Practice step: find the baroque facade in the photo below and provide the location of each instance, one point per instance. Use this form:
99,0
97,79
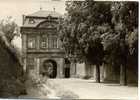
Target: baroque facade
42,49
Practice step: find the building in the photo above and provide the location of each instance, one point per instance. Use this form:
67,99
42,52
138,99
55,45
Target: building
42,49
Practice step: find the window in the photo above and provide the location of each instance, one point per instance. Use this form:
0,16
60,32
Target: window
31,21
30,63
31,42
49,43
52,42
44,41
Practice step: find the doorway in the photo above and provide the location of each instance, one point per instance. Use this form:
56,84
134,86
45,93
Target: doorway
49,68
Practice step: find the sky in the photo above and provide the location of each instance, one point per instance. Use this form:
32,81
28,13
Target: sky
16,8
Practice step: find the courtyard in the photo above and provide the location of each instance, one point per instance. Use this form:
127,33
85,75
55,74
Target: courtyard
88,89
73,88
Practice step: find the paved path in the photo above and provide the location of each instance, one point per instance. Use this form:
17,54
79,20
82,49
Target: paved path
88,89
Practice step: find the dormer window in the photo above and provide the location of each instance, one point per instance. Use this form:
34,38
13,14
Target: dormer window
31,21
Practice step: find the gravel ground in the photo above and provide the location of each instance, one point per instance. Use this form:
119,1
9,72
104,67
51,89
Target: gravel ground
47,90
88,89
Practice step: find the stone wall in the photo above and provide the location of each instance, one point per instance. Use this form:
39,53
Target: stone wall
80,70
107,73
112,74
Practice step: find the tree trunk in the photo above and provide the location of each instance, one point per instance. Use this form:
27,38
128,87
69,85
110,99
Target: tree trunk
97,73
87,69
123,79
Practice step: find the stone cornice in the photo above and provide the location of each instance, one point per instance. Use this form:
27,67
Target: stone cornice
28,30
41,17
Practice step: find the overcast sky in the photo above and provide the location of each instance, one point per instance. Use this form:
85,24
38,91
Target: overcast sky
16,8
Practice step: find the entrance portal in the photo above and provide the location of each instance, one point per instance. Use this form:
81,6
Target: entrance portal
49,68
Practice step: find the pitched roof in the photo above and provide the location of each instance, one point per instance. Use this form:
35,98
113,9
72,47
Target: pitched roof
45,13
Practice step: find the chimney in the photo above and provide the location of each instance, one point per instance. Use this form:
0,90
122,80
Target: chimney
54,9
40,7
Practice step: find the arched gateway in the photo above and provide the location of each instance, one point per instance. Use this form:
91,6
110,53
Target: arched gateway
49,68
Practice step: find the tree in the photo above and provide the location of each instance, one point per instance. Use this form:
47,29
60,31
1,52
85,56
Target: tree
9,28
96,30
118,43
81,31
12,79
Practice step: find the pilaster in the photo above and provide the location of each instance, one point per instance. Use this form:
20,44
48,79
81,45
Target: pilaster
38,42
60,67
24,44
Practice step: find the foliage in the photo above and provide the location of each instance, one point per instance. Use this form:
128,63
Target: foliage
9,28
118,43
97,32
81,31
12,79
